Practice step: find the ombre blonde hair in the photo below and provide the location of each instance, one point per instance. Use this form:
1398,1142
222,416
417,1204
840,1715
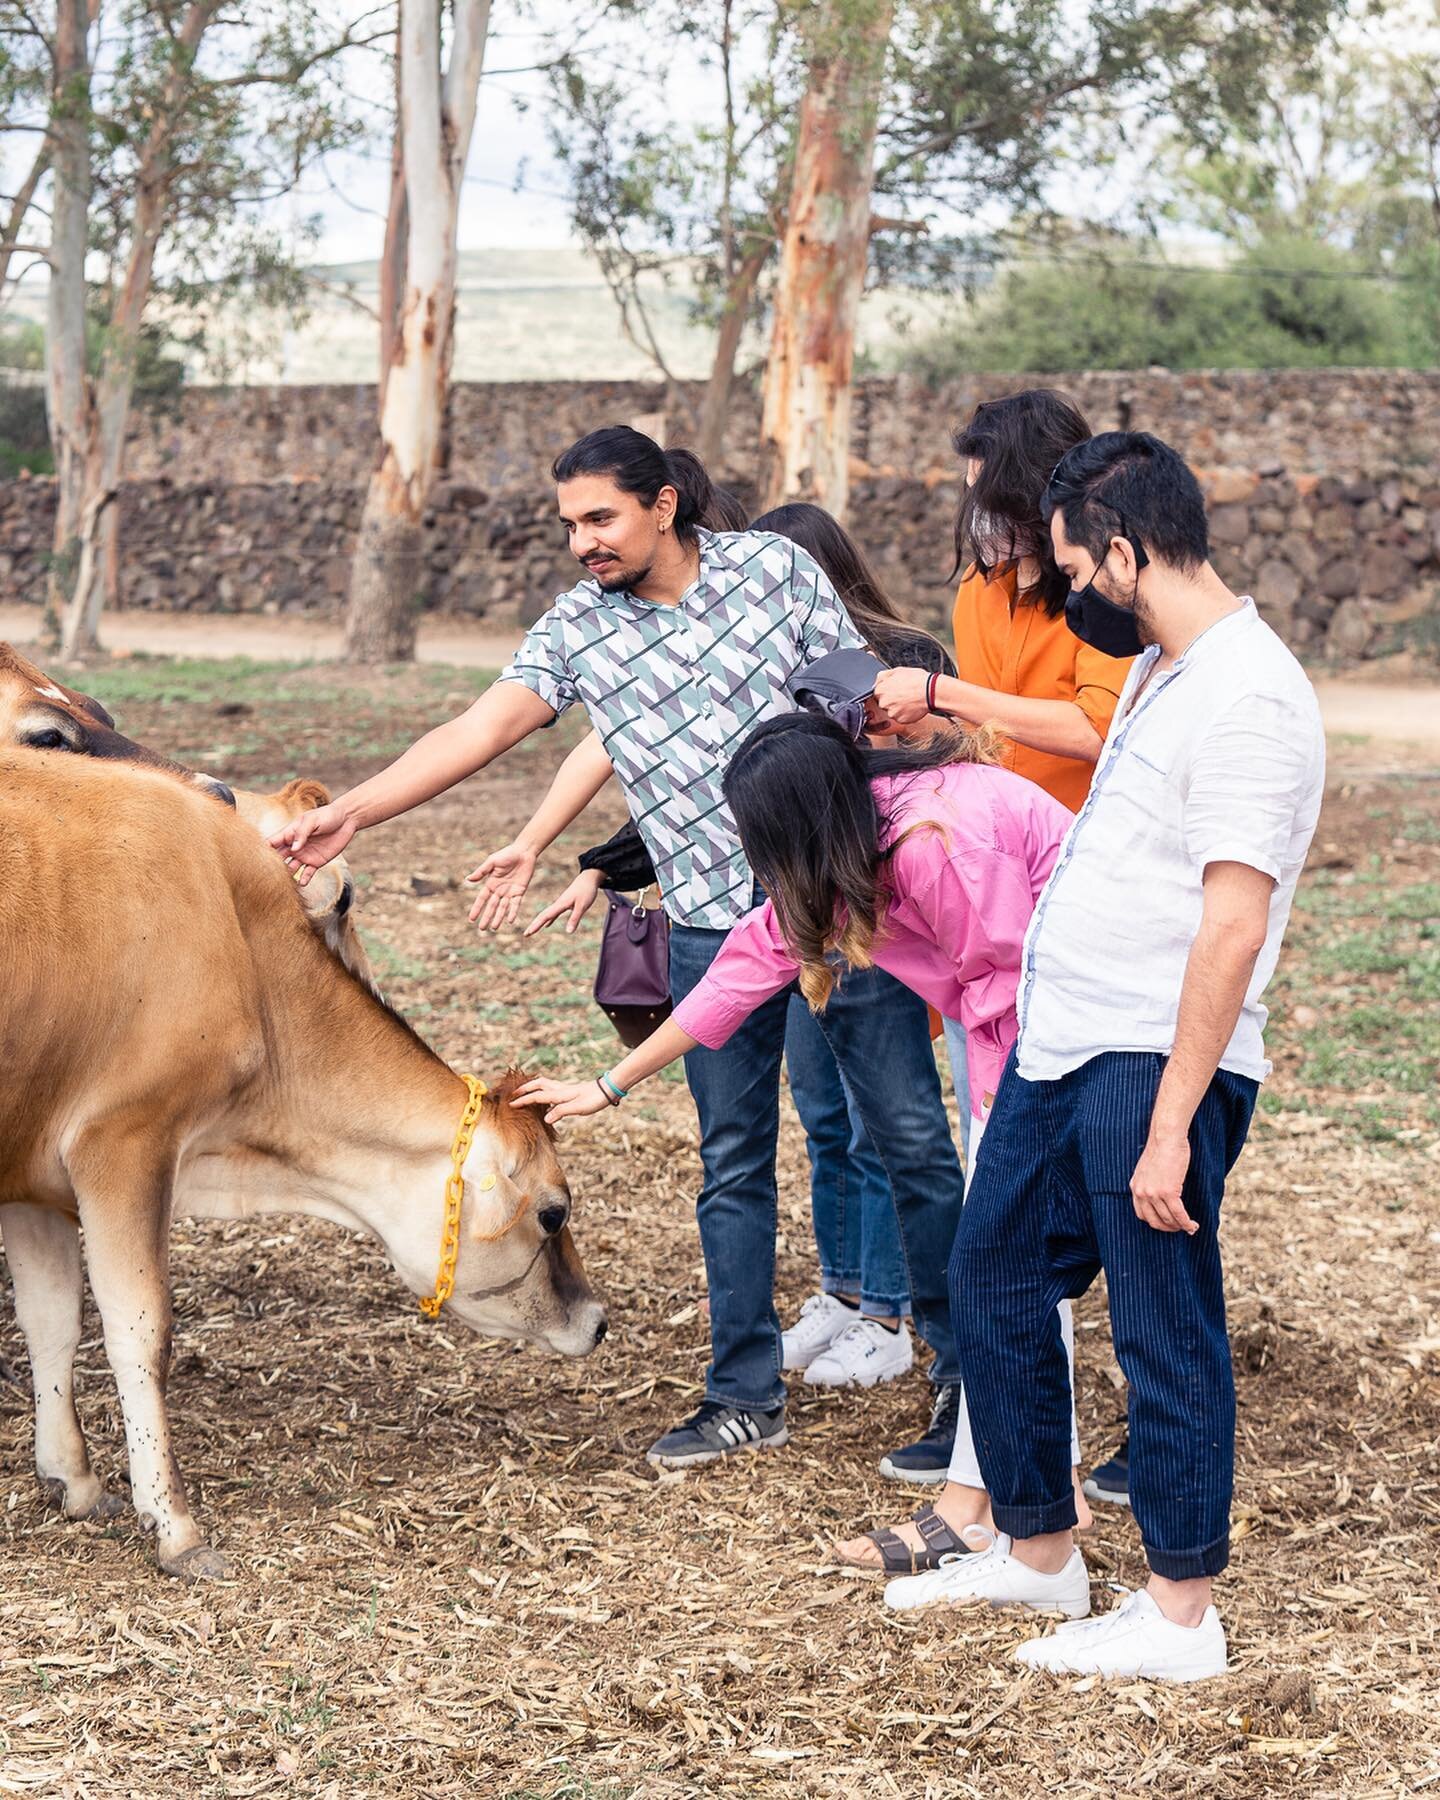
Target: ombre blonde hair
801,793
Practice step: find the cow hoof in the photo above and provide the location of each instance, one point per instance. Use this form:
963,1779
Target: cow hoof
107,1507
80,1499
198,1563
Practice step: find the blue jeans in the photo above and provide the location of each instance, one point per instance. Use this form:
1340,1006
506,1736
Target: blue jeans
1049,1207
855,1229
879,1033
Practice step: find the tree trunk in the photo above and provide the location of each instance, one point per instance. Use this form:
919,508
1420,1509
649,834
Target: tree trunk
715,404
109,401
67,386
109,417
805,424
435,123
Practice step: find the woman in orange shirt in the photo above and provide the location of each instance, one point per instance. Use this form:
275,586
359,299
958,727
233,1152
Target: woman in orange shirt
1021,669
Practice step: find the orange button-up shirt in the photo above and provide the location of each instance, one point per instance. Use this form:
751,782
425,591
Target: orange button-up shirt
1014,647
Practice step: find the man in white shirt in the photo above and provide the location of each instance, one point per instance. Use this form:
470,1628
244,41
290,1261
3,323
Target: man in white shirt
1131,1088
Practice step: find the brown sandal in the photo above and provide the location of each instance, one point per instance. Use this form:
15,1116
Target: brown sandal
896,1556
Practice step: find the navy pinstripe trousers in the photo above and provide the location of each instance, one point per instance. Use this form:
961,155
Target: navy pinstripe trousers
1048,1208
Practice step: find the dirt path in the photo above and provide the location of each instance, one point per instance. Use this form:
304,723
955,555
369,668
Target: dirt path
454,641
1392,712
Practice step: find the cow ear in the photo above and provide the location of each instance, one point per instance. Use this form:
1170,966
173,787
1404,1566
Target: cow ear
96,710
303,794
492,1202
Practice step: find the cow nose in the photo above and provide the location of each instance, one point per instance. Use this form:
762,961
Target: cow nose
601,1329
552,1218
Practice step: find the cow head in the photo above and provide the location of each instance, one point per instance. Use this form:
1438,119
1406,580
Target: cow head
330,894
37,713
518,1274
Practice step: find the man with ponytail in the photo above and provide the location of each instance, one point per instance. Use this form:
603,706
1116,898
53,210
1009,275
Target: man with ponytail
678,642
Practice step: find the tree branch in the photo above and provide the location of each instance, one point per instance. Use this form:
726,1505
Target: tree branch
348,295
460,88
19,206
295,72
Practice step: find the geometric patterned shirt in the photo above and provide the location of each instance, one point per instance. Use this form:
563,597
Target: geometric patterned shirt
674,691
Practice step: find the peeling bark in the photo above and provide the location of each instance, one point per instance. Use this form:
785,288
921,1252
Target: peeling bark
805,423
67,389
435,124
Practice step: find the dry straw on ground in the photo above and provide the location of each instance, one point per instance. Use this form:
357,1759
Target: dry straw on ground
456,1576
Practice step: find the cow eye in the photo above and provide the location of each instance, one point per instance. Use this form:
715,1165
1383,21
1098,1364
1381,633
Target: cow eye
48,740
551,1219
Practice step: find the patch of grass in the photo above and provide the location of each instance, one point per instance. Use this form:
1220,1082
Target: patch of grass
140,679
1367,965
390,965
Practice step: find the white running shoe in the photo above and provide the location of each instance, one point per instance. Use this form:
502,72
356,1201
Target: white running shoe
864,1353
822,1319
1134,1639
992,1574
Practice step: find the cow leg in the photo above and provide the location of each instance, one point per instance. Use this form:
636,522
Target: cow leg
43,1250
127,1251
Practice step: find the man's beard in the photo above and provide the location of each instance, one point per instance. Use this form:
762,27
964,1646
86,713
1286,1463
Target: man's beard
1133,602
618,581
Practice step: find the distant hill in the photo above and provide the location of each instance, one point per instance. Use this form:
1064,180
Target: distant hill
523,315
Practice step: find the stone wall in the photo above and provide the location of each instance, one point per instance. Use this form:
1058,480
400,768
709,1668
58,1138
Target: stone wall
1344,422
1344,568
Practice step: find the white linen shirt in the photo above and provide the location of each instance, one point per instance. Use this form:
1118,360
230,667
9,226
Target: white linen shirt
1220,759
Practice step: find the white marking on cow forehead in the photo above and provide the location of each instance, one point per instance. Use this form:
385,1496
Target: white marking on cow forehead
50,693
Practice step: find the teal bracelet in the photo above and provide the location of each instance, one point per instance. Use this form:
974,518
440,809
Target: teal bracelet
612,1090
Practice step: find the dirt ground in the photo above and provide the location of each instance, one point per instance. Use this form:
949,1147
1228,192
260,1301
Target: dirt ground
455,1574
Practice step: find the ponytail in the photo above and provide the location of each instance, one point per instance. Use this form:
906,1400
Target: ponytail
694,491
637,465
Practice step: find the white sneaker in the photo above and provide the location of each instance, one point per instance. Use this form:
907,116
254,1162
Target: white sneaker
992,1574
863,1355
1134,1639
822,1319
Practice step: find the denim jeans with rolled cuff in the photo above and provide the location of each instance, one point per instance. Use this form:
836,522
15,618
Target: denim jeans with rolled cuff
1049,1208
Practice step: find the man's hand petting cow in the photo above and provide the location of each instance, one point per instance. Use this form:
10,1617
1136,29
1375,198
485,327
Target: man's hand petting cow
207,1044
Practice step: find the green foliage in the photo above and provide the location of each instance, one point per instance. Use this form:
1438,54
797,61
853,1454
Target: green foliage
1287,302
24,435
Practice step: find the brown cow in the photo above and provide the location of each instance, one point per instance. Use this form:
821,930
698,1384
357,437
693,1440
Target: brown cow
177,1042
39,713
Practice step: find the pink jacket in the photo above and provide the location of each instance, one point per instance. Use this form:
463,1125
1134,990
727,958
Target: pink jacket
961,892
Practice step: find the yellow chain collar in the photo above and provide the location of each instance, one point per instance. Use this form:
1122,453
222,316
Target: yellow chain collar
454,1195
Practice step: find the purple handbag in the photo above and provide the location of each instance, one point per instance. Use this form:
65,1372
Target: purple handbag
632,982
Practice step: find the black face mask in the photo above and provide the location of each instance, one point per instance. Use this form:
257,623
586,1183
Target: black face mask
1099,622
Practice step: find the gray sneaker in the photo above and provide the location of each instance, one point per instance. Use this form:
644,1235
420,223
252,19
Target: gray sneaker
714,1430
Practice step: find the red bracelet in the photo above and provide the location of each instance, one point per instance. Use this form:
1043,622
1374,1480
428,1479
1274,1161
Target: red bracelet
930,693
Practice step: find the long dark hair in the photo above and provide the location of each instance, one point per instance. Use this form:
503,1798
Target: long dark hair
872,612
726,511
1017,440
637,465
799,789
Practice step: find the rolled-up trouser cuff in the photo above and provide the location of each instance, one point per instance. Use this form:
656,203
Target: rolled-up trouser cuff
1189,1565
1034,1521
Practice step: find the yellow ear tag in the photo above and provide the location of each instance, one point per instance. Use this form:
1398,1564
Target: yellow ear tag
487,1180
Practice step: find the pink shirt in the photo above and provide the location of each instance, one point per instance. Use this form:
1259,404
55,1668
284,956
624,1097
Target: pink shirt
962,889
